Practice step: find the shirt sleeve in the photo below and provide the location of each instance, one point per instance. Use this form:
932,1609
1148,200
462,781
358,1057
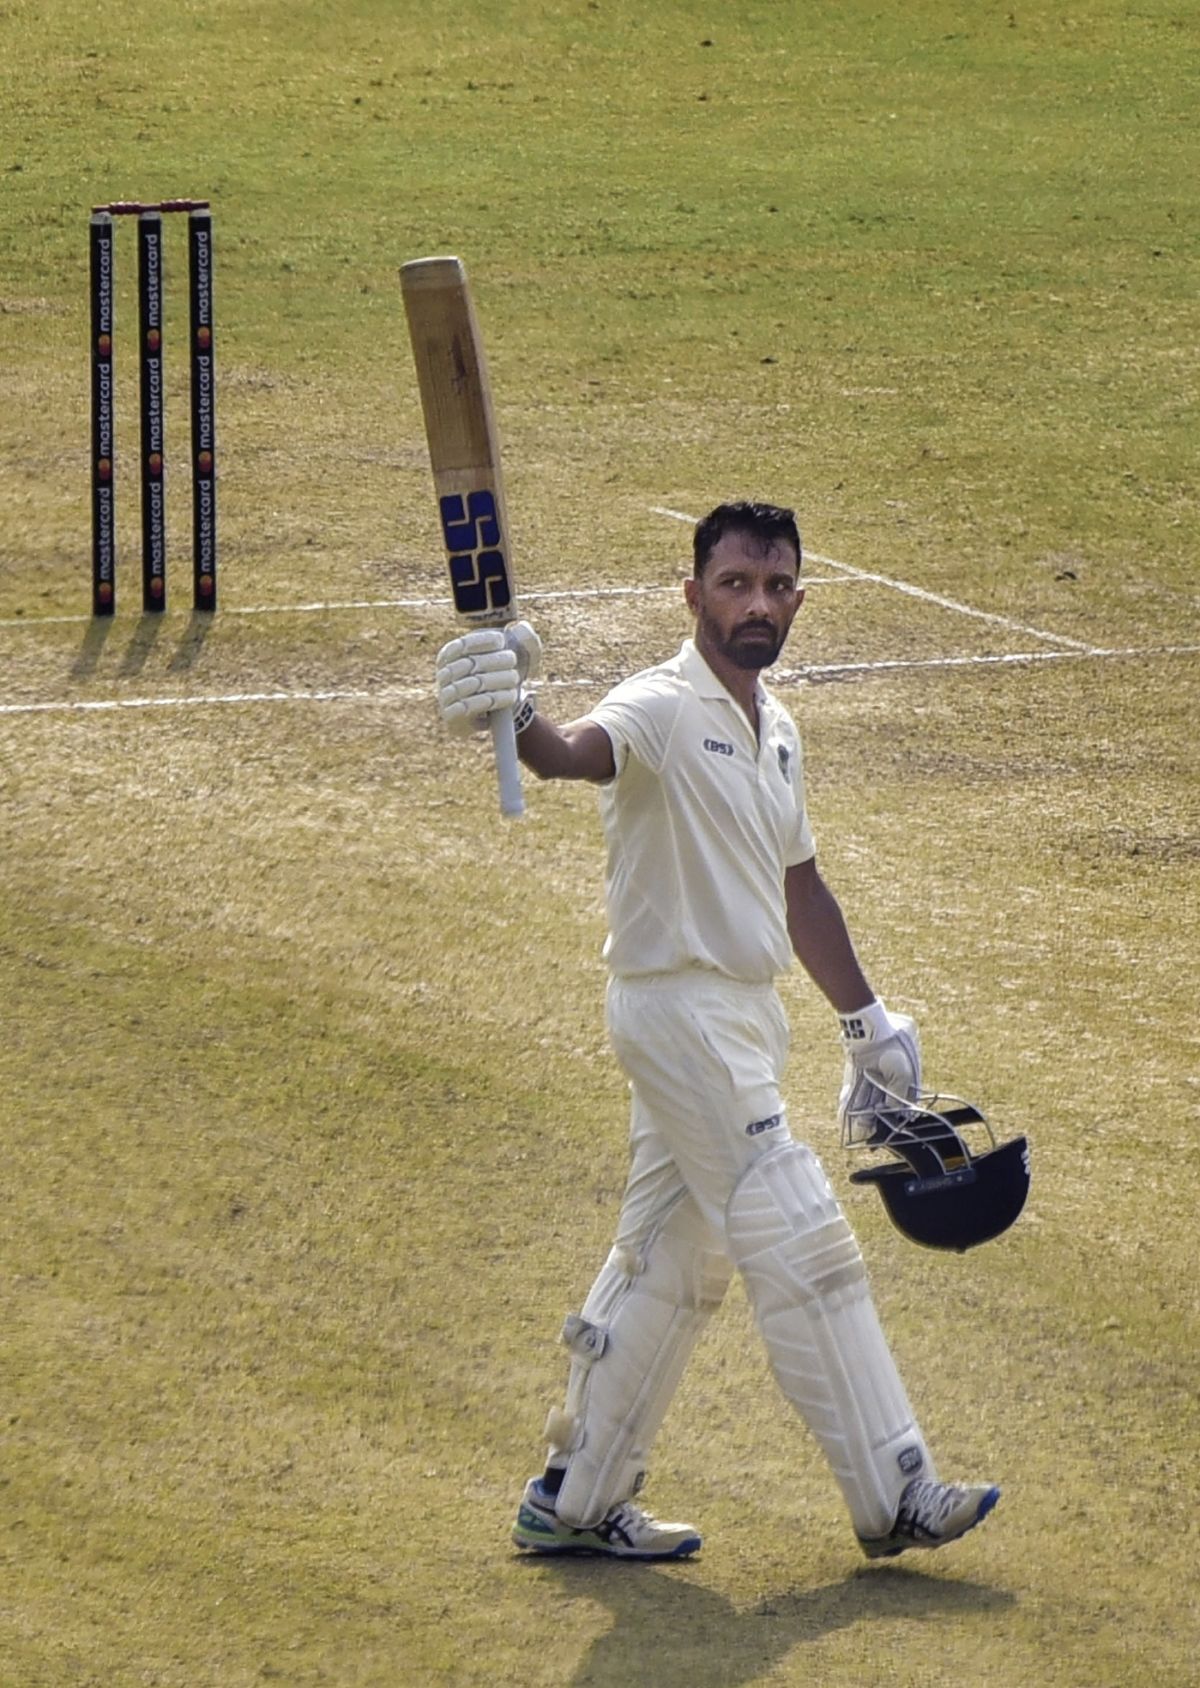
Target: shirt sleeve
638,716
802,846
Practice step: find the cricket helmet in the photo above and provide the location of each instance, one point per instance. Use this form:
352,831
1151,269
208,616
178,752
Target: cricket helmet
938,1190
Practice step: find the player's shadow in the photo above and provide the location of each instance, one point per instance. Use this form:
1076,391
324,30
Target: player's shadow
677,1634
192,643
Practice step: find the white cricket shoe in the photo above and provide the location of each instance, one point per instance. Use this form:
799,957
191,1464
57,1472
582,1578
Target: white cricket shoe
625,1531
931,1514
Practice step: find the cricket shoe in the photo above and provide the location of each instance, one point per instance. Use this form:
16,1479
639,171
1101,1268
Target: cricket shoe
625,1531
930,1515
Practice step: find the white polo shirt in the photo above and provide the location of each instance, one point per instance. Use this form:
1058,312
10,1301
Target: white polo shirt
701,822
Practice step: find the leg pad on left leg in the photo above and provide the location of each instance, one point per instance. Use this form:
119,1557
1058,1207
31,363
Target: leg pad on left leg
806,1280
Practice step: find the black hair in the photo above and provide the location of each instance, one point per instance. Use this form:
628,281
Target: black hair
768,523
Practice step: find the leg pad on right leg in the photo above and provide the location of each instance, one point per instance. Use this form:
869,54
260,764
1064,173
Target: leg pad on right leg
628,1351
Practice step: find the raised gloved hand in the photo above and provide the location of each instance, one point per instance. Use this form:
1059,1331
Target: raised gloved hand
883,1061
483,671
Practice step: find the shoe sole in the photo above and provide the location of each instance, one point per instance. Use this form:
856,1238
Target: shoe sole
547,1549
532,1536
877,1549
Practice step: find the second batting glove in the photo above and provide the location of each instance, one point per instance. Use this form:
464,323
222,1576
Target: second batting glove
883,1061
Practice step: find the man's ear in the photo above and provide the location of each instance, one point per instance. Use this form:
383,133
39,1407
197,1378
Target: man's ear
689,592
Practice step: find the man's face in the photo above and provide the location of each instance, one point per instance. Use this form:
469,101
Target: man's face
745,600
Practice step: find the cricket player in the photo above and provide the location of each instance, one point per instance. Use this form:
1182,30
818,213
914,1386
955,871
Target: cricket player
712,888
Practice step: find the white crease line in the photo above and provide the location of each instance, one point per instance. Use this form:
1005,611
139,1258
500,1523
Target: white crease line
915,592
348,604
447,603
45,620
103,705
813,675
675,515
833,670
547,596
953,604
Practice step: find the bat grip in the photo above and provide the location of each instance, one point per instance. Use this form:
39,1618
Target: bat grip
508,768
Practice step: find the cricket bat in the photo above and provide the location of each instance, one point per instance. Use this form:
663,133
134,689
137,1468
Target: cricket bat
464,454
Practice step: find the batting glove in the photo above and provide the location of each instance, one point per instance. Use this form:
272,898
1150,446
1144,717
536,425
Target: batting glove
483,671
883,1061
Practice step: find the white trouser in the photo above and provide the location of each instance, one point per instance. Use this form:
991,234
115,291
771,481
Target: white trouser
716,1178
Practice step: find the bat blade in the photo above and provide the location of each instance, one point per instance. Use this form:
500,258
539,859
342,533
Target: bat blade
464,455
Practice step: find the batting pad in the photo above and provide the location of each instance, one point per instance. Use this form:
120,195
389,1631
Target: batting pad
807,1283
629,1348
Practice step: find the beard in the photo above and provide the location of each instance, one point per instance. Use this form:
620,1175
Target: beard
750,648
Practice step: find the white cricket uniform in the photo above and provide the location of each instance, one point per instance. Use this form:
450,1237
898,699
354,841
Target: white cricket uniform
701,820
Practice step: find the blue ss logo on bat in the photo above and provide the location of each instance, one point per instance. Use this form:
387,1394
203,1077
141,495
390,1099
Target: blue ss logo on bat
479,575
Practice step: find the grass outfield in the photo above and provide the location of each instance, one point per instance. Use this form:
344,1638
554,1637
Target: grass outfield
311,1132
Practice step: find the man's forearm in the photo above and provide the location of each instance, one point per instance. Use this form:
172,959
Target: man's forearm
822,942
579,751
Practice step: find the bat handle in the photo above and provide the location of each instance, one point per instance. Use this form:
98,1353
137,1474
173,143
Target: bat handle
508,768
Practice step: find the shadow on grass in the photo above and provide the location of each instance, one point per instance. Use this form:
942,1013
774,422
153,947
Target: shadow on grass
145,637
192,643
95,637
681,1635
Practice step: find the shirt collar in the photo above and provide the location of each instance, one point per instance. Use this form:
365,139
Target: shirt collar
705,683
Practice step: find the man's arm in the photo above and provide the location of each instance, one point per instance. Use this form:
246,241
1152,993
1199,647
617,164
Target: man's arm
581,750
821,939
883,1051
483,671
